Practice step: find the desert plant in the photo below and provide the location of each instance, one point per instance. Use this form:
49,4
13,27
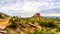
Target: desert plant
14,21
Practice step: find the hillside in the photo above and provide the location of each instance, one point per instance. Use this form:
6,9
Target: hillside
36,24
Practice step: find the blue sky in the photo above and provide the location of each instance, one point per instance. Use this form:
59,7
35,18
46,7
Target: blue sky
27,8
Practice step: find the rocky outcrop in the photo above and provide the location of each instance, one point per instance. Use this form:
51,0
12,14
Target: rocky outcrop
36,15
3,32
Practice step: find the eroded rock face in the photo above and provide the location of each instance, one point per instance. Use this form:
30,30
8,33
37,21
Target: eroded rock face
4,23
2,31
37,15
2,27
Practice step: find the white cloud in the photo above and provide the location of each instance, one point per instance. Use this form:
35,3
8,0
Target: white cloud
51,14
27,7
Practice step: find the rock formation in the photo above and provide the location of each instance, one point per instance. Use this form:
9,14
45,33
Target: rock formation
36,15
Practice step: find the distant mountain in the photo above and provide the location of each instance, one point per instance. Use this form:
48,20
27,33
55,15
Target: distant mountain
38,15
52,16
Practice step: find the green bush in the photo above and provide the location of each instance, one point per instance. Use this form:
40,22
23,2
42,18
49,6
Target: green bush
17,32
14,22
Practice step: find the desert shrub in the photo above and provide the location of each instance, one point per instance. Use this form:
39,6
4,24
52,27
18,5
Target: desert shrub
2,15
14,22
43,31
16,32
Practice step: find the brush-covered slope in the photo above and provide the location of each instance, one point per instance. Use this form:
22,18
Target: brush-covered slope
36,24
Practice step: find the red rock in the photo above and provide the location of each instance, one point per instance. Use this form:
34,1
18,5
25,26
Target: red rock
37,15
